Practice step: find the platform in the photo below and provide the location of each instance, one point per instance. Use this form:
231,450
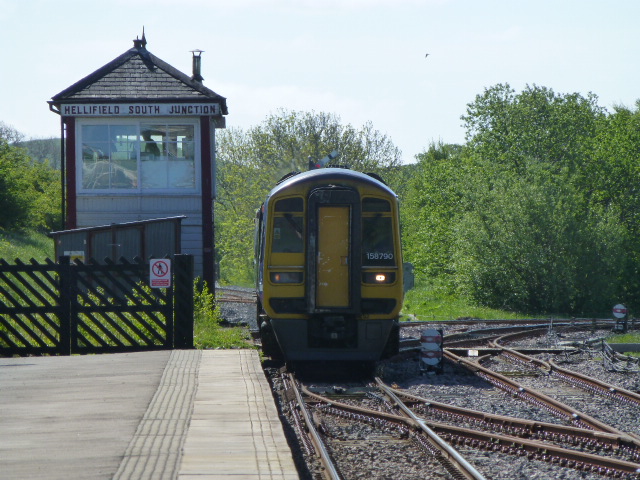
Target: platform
184,414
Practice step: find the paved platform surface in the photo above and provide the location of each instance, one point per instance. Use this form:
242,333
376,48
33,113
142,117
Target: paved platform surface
184,414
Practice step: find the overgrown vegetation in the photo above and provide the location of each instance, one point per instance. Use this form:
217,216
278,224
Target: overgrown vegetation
208,329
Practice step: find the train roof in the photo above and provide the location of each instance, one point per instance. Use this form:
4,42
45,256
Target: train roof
328,175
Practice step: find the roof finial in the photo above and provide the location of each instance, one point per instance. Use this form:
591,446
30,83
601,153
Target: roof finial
140,43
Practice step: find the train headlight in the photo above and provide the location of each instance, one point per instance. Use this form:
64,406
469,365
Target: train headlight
286,277
378,278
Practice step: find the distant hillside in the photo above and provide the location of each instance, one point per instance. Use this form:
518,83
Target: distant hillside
43,150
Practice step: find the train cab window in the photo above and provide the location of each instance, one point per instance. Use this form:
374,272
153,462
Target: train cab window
377,233
371,204
293,204
288,226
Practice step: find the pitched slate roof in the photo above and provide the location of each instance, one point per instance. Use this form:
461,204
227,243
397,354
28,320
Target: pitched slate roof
138,75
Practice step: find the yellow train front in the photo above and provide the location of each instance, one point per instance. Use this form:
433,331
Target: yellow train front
329,267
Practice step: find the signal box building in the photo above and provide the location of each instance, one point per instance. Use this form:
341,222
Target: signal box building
139,143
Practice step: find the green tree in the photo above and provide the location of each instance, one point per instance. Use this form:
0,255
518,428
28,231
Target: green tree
611,180
520,217
42,150
10,134
15,201
29,192
534,239
532,244
537,123
431,202
251,162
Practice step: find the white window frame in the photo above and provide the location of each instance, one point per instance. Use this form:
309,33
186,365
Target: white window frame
137,121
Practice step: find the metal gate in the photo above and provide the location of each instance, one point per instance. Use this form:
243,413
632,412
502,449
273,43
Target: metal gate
65,308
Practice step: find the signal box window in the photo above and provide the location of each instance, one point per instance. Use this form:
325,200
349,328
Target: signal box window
109,158
136,156
288,236
166,156
377,234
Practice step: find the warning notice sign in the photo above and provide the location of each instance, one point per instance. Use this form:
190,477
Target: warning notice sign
160,273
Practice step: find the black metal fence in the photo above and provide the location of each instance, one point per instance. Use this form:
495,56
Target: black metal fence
64,308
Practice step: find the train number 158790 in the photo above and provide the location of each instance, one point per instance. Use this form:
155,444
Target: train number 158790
379,255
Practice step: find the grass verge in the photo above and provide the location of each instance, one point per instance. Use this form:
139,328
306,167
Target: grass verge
430,302
25,246
633,337
625,338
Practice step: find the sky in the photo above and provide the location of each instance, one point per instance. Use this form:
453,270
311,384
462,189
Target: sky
361,60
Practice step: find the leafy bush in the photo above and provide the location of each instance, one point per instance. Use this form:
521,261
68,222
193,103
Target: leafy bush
208,329
29,192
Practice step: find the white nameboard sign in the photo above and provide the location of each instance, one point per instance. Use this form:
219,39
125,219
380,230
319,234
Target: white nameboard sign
139,109
160,273
74,255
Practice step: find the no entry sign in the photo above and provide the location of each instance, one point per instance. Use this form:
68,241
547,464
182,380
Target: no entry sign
160,273
619,311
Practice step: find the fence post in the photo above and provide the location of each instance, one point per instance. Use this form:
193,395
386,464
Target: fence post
183,301
65,304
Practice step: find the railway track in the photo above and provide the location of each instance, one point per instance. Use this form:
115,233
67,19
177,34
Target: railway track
235,295
622,445
576,379
407,427
533,396
560,344
498,445
557,445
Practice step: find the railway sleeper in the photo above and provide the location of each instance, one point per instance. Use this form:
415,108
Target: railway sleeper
543,455
585,385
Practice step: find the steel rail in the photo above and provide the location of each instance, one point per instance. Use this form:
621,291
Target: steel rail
409,420
364,412
227,294
496,442
538,450
575,378
523,428
595,385
495,334
330,470
537,398
519,321
452,455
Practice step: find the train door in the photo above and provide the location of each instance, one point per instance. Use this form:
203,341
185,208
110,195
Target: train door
334,257
332,274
